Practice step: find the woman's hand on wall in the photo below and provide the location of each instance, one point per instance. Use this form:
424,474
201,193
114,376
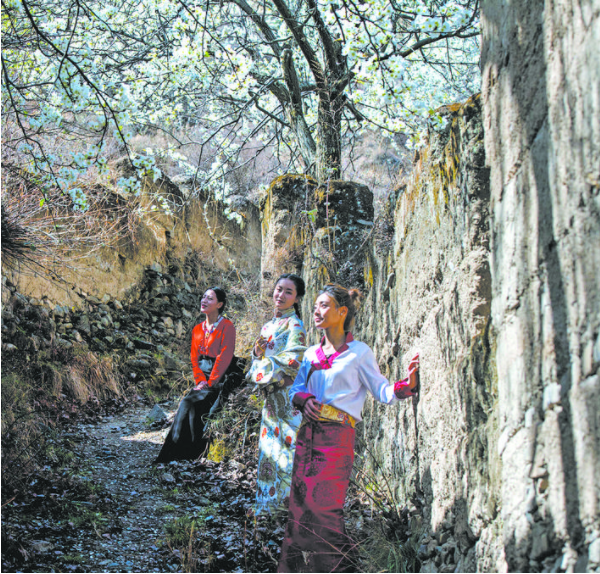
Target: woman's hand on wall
413,374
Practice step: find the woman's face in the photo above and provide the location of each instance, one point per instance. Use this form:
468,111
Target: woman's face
209,303
327,313
285,294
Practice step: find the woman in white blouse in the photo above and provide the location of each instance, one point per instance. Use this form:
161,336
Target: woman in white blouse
330,390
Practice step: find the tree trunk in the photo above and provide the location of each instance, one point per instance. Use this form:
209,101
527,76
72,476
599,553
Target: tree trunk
329,138
295,114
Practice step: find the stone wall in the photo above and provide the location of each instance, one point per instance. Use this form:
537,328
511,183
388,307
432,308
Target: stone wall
541,86
316,230
487,263
148,334
429,291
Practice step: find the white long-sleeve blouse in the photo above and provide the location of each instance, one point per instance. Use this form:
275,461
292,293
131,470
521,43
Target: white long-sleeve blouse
344,385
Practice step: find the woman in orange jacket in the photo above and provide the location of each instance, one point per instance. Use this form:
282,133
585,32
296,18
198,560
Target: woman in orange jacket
215,372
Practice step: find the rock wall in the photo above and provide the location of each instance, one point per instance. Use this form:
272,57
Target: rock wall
313,229
283,209
541,86
429,291
487,263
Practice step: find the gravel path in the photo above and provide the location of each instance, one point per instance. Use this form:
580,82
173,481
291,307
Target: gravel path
119,452
134,502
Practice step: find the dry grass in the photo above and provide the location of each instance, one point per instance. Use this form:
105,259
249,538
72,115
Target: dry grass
252,315
88,375
51,386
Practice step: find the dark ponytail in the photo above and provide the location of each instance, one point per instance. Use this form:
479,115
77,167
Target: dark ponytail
298,283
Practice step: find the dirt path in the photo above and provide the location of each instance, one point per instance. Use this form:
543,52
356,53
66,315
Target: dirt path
121,525
119,452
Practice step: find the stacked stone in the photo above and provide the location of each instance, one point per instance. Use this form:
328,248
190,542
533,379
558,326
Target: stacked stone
149,331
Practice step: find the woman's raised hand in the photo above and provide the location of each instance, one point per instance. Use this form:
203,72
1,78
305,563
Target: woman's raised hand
260,346
409,387
413,374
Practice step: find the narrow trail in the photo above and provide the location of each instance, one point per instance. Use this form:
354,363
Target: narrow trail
135,501
119,451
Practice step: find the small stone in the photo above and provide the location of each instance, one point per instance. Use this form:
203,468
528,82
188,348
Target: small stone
42,546
139,364
168,478
543,485
84,324
64,343
156,414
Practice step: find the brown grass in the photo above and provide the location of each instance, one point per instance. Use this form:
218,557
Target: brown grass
89,375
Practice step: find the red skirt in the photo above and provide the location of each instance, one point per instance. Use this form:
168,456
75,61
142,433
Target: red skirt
315,538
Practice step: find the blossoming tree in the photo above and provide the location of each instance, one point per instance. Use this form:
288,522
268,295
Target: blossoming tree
302,76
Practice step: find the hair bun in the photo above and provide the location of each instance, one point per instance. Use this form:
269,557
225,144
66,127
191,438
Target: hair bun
356,296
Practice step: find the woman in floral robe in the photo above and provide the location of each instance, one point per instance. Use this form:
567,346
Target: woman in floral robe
277,355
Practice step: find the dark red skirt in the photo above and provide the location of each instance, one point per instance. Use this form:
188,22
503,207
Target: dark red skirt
315,538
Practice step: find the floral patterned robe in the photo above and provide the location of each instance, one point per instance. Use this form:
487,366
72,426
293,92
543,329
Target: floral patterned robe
273,373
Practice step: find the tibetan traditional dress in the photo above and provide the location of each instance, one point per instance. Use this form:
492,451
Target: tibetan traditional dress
212,363
315,538
273,374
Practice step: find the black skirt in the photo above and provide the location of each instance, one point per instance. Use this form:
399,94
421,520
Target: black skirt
186,439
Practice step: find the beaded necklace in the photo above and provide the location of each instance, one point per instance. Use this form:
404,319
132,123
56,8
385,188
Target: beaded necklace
214,326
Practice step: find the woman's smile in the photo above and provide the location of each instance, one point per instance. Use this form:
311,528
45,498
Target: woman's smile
326,313
209,302
285,294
